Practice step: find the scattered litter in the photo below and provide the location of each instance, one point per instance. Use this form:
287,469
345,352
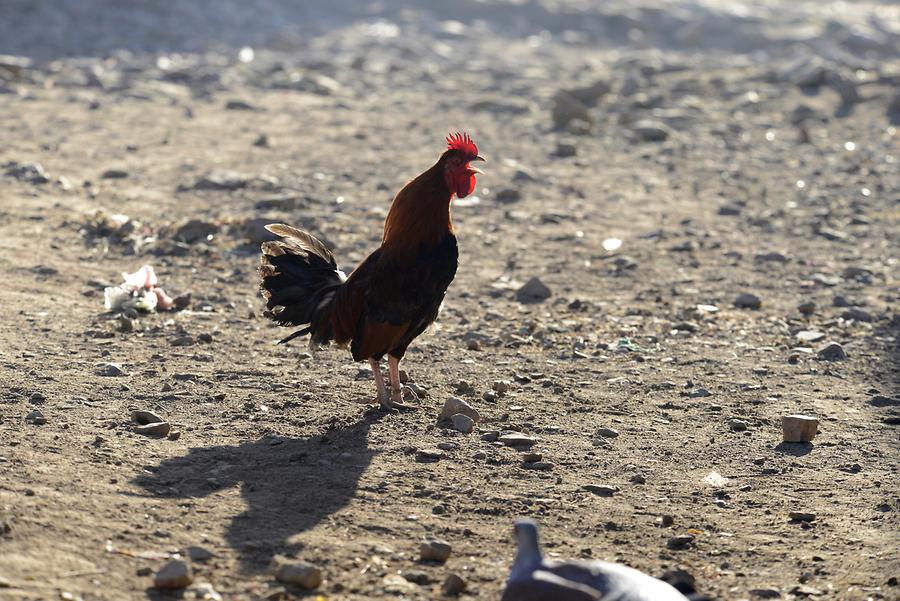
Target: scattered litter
138,292
625,345
714,478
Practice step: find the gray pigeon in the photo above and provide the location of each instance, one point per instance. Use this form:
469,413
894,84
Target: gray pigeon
533,578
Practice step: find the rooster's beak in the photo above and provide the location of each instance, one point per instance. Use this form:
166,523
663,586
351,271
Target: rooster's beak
478,158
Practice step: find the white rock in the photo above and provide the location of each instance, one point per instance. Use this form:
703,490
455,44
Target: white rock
174,575
455,405
799,428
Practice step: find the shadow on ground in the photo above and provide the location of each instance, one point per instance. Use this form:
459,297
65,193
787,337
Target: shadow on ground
289,485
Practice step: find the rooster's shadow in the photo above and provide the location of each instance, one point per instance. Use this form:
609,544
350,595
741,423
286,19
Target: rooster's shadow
289,485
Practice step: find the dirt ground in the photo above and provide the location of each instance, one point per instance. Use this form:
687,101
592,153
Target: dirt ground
730,148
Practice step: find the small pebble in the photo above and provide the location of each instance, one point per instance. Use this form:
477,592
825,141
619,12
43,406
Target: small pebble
832,351
603,490
36,417
110,370
453,585
680,541
517,439
156,429
434,549
607,433
428,455
799,428
174,575
298,572
463,423
144,417
802,516
200,554
746,300
807,308
454,405
737,425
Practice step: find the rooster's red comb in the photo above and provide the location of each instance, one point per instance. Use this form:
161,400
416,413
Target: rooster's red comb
463,143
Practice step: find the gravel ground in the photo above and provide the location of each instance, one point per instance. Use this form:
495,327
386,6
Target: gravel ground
708,191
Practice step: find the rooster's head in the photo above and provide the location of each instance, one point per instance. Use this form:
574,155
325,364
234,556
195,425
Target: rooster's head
458,174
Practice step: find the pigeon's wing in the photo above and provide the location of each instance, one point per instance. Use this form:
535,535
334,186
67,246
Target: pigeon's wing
614,581
546,586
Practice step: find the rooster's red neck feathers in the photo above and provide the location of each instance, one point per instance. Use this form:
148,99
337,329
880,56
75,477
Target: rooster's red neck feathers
420,213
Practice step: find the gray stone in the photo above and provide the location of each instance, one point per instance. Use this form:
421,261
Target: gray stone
567,108
770,257
195,230
453,585
223,180
508,196
533,291
463,423
540,466
765,593
297,572
680,541
36,417
857,314
802,516
807,308
434,549
737,425
650,131
832,351
199,554
144,417
490,436
607,433
416,576
602,490
429,455
110,370
564,150
746,300
517,440
33,172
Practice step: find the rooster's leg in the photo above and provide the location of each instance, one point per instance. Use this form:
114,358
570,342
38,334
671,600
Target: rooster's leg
396,387
383,397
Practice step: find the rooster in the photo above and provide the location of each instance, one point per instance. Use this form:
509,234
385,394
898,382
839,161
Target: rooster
395,293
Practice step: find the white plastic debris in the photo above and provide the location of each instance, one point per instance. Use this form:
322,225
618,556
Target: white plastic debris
138,291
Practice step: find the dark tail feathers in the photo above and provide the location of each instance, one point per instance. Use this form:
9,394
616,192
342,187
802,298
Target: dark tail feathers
299,281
